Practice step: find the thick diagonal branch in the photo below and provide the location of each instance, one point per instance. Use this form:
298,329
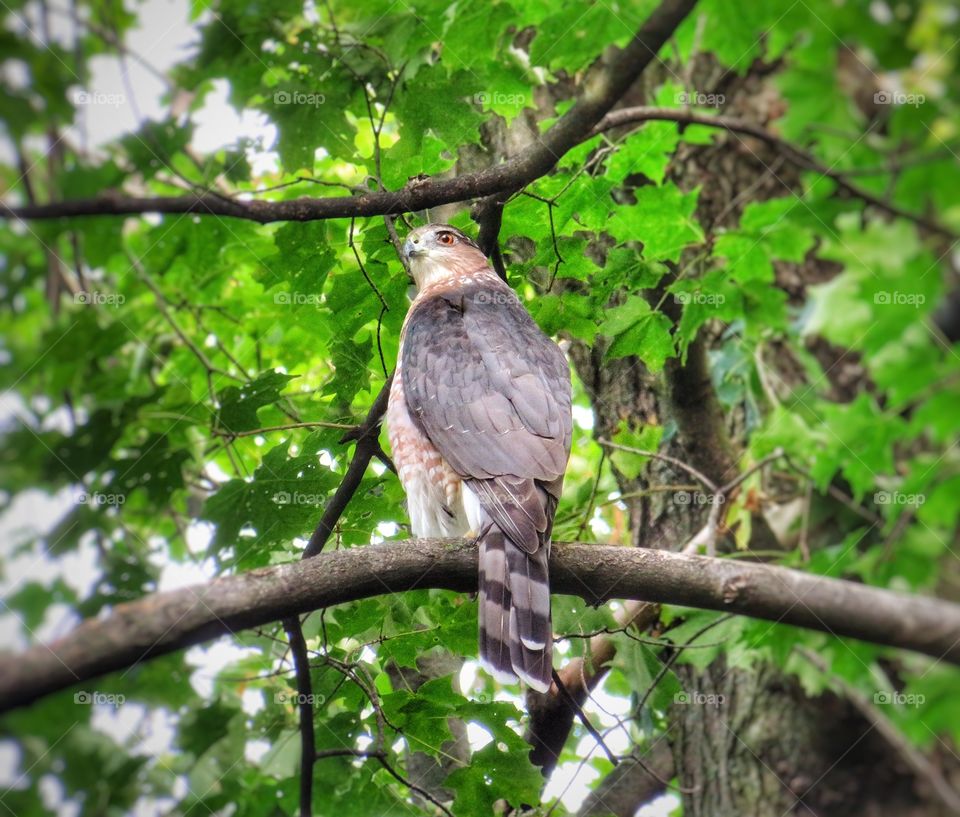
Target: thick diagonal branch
603,86
492,182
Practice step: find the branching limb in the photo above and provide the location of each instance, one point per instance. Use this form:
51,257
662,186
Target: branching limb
574,704
799,157
493,185
607,82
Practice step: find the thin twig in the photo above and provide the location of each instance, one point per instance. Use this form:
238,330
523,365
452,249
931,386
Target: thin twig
413,786
286,427
773,456
667,784
556,248
593,495
700,476
383,360
672,659
836,493
301,180
363,268
364,753
572,703
111,39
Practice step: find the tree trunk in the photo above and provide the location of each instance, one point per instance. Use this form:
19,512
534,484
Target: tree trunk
752,743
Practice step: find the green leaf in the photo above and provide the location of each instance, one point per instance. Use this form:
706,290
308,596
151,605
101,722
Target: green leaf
239,406
423,715
662,218
283,499
637,330
646,151
647,439
204,727
491,776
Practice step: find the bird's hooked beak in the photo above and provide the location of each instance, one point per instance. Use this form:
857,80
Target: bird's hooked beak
413,247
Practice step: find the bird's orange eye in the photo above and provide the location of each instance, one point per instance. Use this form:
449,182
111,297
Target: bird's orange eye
445,238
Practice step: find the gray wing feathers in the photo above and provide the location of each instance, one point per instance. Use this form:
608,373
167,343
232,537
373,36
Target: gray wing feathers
491,391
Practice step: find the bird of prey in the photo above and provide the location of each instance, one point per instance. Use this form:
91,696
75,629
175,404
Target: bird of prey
479,422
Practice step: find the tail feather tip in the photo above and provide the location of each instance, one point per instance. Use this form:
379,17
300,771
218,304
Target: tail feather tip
501,675
533,644
534,683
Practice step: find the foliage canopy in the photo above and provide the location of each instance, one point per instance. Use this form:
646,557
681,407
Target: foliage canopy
178,384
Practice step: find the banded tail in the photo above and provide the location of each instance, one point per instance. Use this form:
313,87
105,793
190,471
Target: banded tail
516,634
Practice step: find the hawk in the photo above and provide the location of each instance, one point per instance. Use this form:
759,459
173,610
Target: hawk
479,422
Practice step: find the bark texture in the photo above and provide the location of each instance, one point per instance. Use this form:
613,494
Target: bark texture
756,744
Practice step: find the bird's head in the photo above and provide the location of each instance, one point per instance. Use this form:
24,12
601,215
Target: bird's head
437,251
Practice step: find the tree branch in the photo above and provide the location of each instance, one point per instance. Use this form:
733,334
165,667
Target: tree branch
366,436
308,752
164,622
574,704
603,86
551,717
630,786
794,154
497,183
